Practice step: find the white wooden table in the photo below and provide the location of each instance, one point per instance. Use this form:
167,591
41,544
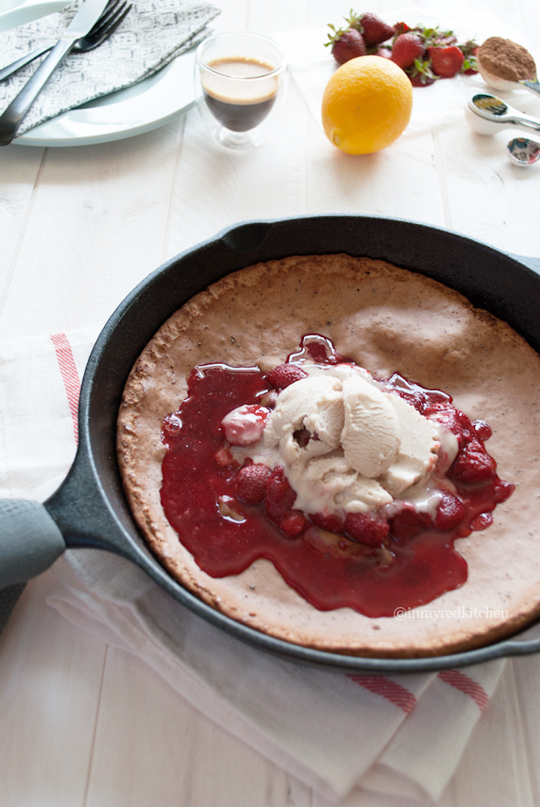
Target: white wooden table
82,723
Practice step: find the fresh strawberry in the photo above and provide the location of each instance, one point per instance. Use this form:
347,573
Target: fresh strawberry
401,28
417,81
469,50
346,44
446,62
434,38
445,39
406,49
420,75
469,67
421,80
373,29
285,374
366,528
384,52
251,482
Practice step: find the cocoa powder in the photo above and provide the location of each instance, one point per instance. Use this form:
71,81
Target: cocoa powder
506,59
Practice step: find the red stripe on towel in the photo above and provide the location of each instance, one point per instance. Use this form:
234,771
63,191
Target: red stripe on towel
70,376
388,689
466,685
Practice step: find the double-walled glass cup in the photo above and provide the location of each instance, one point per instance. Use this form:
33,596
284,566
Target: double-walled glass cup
240,78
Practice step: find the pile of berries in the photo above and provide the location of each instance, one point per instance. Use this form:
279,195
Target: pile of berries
425,54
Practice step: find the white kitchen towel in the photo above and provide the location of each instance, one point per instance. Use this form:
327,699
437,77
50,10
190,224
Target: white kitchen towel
335,732
153,34
354,738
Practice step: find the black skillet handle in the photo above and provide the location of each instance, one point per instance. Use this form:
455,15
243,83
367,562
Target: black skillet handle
30,542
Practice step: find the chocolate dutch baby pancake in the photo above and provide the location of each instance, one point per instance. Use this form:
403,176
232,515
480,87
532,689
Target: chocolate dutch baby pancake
341,454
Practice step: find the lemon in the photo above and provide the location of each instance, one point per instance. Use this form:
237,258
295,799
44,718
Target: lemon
366,105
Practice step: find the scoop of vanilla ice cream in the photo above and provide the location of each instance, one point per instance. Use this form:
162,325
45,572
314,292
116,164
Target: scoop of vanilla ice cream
419,445
370,436
346,444
328,484
314,404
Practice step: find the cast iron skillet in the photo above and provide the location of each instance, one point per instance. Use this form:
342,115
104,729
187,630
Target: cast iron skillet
90,509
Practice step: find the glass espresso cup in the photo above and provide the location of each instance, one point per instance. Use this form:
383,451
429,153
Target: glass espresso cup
239,79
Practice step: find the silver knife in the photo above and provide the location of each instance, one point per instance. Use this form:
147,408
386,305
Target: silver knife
81,23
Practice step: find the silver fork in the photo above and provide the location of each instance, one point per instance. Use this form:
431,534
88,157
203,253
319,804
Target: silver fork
107,24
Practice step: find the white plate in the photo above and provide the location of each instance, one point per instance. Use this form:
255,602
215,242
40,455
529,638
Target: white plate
145,106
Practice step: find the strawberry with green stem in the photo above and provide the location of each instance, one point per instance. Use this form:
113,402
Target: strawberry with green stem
406,49
373,29
446,62
424,53
421,74
346,44
469,50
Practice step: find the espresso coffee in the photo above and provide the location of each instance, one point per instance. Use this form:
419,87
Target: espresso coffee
239,105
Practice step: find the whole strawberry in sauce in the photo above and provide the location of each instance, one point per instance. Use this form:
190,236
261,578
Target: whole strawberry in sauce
367,528
251,482
450,512
284,375
473,463
279,499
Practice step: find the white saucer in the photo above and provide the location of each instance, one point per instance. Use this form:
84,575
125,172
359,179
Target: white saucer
145,106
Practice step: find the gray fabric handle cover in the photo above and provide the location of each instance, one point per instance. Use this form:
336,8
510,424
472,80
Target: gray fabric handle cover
30,541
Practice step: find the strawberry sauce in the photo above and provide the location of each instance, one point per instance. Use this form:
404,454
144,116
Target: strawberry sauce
408,563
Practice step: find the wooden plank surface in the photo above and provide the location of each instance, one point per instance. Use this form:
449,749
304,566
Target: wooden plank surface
87,725
51,676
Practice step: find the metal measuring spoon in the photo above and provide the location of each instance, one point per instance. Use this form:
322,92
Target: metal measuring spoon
497,83
533,85
487,114
523,151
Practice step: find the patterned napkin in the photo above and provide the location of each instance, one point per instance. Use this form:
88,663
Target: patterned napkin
154,33
361,740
